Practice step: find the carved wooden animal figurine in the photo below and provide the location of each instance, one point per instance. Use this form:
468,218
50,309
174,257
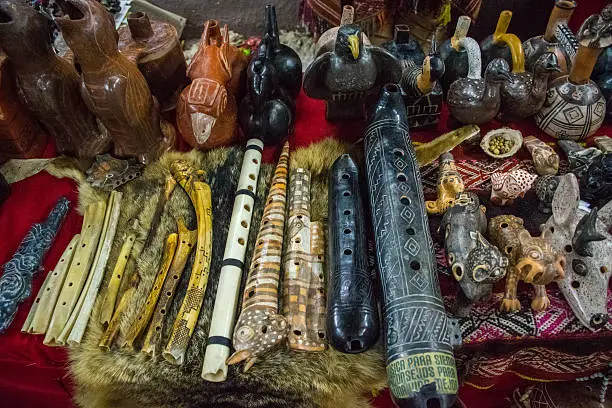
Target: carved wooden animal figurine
113,87
531,259
207,109
454,55
583,235
506,187
154,46
545,160
49,85
473,261
345,76
596,183
404,47
579,158
449,184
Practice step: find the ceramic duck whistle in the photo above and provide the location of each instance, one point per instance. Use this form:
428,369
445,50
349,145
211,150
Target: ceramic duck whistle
474,263
454,55
352,309
327,40
508,186
583,236
579,158
503,45
596,182
531,259
449,184
404,47
406,263
545,159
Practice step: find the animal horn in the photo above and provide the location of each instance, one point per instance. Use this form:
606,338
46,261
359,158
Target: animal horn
586,231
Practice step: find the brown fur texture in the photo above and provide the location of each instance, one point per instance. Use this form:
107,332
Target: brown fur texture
282,378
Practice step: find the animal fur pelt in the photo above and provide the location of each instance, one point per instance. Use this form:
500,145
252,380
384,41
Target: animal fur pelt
282,379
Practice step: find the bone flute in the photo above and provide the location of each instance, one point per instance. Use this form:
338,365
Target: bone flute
260,296
186,241
222,322
315,308
192,181
49,292
164,196
147,309
113,325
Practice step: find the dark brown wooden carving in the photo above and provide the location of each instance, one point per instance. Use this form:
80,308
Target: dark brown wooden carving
154,46
113,87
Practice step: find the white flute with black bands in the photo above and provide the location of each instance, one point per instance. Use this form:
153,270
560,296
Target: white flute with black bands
226,300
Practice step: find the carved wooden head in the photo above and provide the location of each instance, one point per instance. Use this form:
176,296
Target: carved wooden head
24,32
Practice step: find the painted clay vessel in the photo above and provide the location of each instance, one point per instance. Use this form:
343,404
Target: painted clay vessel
596,182
449,185
603,143
545,159
474,263
545,187
112,86
506,187
154,46
406,263
548,42
579,158
454,55
327,40
531,259
404,47
583,236
503,45
575,107
206,111
49,85
352,309
347,75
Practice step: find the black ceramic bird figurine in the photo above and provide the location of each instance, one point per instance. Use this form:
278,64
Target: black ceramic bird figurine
347,75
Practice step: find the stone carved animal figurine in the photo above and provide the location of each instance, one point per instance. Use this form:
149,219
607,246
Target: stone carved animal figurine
583,236
475,264
579,158
449,185
545,187
506,187
545,159
596,183
531,259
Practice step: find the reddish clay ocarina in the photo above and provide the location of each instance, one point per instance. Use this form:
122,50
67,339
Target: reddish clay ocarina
505,187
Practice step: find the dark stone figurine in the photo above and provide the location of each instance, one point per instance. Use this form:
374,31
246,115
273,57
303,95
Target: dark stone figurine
596,183
352,309
417,330
579,158
474,263
545,187
349,74
404,47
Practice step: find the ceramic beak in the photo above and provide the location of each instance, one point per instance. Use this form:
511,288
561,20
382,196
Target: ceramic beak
353,44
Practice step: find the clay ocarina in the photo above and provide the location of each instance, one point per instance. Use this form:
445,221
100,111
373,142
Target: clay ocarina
545,187
603,143
531,259
499,44
579,157
449,185
596,182
455,55
545,160
583,236
404,47
506,187
473,261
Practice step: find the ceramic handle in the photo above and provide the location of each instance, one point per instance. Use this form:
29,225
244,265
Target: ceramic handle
562,11
502,24
516,51
474,59
461,30
348,15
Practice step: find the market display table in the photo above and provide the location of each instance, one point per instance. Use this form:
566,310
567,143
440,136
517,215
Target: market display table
500,351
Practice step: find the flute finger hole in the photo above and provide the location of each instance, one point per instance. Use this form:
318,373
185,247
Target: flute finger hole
241,241
247,207
252,176
244,224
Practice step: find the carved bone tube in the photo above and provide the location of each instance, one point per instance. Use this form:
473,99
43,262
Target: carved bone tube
113,326
78,272
191,181
417,329
315,308
187,240
147,309
28,321
260,296
222,321
352,311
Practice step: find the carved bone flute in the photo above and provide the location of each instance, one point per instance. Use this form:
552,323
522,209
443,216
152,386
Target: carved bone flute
260,296
16,282
191,180
222,322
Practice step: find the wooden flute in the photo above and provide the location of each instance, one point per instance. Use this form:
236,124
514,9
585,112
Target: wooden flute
222,322
259,326
192,181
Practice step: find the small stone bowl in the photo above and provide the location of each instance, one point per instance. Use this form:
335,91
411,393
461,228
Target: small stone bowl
507,134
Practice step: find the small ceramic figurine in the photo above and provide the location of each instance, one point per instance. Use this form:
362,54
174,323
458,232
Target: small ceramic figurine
48,84
596,183
347,75
506,187
154,46
500,43
449,185
536,46
207,109
327,40
545,187
531,259
579,158
545,160
473,261
603,143
583,236
454,55
112,86
404,47
575,107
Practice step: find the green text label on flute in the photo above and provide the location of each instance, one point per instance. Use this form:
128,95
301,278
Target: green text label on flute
408,374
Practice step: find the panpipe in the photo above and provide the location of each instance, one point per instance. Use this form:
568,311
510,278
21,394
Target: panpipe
298,308
16,281
259,326
222,321
420,364
352,309
192,181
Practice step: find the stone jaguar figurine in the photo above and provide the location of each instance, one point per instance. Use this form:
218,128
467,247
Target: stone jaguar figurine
473,261
531,259
583,236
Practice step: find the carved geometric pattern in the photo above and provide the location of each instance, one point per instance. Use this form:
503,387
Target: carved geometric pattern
412,246
407,214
